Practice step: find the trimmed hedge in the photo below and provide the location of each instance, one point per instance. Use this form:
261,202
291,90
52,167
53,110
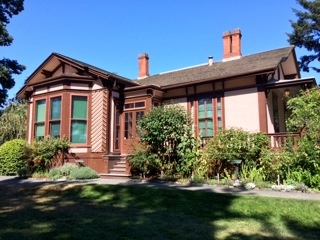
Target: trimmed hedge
14,156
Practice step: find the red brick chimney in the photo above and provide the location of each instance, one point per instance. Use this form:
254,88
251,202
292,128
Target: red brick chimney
143,61
231,45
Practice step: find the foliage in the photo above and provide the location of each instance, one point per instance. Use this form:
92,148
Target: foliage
167,134
306,32
44,152
143,162
72,171
252,173
234,144
14,156
305,112
13,121
8,67
305,117
83,173
189,151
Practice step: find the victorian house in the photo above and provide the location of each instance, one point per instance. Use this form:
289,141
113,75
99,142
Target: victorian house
98,110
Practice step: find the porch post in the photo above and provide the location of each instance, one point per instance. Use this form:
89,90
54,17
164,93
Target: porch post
262,103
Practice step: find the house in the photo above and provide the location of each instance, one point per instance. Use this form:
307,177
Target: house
98,110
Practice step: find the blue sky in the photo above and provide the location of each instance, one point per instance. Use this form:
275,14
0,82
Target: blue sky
110,34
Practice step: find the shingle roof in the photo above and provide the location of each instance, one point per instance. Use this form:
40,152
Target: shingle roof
246,64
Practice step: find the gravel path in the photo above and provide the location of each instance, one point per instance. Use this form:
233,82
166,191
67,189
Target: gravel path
164,184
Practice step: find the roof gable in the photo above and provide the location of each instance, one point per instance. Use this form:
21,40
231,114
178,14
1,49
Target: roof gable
58,65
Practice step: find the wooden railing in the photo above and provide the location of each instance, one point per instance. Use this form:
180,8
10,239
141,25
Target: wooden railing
277,140
284,139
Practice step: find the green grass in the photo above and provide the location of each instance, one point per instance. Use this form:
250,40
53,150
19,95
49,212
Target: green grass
118,212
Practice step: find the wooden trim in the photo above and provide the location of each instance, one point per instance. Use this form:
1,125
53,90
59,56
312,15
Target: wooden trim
263,122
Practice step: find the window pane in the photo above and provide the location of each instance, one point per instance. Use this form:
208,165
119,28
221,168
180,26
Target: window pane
129,105
139,115
39,131
201,113
55,129
79,107
202,124
40,110
139,104
78,131
209,104
55,108
128,125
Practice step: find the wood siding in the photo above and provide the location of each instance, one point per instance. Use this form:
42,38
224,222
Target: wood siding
99,121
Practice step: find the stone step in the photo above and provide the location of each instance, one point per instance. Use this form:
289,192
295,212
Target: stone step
114,176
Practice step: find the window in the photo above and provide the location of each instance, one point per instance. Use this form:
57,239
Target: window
219,114
275,113
128,125
210,116
205,117
40,119
134,105
131,118
79,119
55,116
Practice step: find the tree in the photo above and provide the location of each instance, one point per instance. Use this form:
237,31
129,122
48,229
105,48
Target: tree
13,121
305,117
305,113
8,67
306,33
167,135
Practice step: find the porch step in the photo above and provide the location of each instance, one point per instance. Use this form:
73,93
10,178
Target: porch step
114,176
117,167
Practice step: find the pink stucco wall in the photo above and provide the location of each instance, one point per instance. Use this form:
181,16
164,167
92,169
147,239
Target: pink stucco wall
242,109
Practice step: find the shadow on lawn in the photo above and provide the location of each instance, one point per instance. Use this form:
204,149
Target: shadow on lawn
60,211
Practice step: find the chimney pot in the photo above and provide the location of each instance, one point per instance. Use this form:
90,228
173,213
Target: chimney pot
210,60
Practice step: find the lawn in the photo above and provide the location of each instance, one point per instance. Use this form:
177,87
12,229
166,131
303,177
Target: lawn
119,212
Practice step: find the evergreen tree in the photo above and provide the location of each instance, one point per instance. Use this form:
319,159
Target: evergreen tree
306,33
8,67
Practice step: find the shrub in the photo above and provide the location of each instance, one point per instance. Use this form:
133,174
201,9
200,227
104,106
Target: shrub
71,171
67,168
14,156
144,163
233,144
44,152
54,174
170,147
83,173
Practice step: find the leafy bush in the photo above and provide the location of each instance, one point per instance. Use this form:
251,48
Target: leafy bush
233,144
83,173
170,147
144,163
72,171
45,151
14,156
54,174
